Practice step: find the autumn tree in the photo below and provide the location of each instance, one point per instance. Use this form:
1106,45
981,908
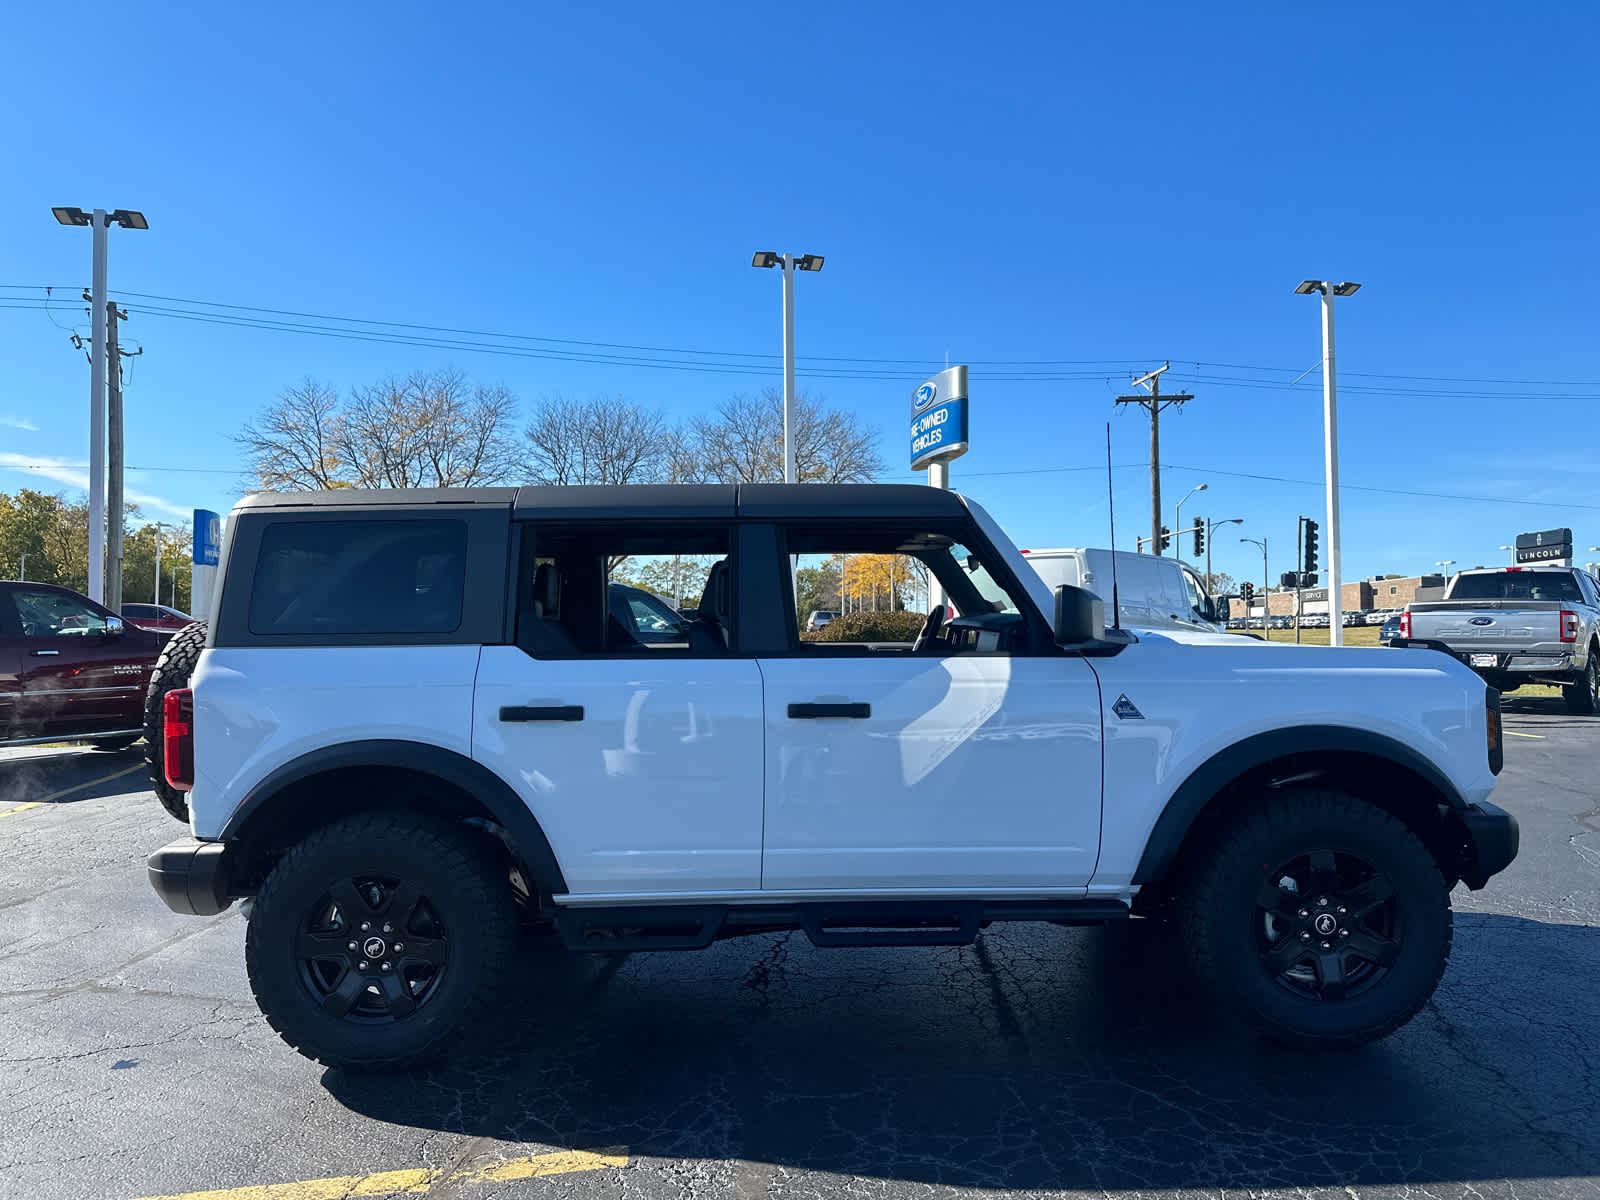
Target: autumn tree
742,442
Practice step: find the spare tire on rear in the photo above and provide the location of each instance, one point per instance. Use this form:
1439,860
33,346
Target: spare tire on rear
174,665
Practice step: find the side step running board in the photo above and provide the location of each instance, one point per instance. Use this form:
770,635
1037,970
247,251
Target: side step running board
826,923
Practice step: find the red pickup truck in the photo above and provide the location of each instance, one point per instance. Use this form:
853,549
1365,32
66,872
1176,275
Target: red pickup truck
70,669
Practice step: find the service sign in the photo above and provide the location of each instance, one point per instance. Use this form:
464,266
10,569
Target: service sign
939,419
207,537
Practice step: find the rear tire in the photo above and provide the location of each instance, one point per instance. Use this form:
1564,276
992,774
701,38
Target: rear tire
1583,697
1372,942
174,665
428,900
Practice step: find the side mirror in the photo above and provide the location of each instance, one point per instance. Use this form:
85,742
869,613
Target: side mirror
1209,609
114,627
1080,616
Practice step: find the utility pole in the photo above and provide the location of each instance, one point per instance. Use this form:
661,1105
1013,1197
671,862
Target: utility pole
114,457
1154,403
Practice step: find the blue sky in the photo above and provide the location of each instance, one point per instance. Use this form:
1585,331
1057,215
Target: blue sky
1100,187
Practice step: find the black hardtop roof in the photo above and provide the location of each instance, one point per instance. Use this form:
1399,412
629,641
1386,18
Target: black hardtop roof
644,501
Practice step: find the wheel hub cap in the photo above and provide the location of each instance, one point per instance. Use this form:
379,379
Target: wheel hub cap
374,947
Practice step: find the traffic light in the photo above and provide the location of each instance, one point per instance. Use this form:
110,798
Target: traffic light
1199,536
1247,591
1309,566
1166,540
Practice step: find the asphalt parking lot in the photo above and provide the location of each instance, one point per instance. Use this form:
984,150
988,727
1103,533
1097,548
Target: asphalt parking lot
1040,1060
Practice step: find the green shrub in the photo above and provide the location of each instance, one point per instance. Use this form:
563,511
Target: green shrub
870,627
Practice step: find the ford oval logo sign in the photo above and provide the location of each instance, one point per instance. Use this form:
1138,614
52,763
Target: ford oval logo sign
925,396
1482,621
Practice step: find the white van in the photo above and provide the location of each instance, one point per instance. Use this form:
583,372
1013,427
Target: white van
1153,590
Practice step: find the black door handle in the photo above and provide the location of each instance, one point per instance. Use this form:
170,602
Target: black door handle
811,712
542,712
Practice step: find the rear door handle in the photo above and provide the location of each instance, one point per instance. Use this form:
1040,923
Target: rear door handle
45,653
542,712
812,712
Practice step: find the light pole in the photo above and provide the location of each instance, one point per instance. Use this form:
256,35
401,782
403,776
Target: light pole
1177,512
1446,563
24,576
1211,525
160,525
1266,604
1330,444
99,221
1513,548
789,263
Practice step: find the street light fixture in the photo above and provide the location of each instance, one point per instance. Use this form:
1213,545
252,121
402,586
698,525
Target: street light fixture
1330,439
1446,563
789,262
1177,512
1266,605
99,221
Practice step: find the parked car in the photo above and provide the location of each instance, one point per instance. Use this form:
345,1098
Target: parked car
1153,591
70,669
1379,616
1389,631
395,808
645,616
819,618
1517,625
160,618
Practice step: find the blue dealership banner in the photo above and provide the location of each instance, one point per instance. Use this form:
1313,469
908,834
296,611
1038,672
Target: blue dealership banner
207,537
939,419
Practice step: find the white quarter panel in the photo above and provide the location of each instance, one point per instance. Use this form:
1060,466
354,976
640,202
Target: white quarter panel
970,772
258,708
1201,693
656,789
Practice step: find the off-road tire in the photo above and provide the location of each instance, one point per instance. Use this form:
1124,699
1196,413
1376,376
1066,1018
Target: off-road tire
1220,921
1583,697
174,665
461,876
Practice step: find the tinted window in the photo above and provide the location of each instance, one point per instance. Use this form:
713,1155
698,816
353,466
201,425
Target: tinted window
1517,585
56,614
359,577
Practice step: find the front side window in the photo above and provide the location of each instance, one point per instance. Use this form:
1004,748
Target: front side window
1192,592
359,577
55,614
870,589
600,590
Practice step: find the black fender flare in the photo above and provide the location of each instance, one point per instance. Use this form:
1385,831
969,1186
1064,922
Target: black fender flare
1222,768
478,781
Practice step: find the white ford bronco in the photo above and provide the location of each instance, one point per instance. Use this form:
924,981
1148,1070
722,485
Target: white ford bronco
416,724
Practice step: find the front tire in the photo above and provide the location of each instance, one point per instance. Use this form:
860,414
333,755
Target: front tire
380,939
1321,920
1583,697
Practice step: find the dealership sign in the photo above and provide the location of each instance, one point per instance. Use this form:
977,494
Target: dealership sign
939,419
1547,546
207,537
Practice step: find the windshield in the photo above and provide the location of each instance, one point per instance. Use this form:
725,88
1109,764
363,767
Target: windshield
982,580
1517,585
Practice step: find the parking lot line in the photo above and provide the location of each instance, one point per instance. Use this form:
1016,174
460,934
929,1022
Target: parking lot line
21,808
418,1181
1536,736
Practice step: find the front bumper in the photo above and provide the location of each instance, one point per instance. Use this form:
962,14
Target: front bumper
1491,841
191,876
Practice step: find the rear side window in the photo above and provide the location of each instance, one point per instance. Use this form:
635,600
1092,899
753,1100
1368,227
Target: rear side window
359,577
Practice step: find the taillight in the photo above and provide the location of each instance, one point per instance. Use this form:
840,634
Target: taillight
1405,625
1569,626
177,737
1491,704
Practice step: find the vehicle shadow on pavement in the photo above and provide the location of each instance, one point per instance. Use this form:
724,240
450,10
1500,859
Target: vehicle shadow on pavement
70,775
1037,1058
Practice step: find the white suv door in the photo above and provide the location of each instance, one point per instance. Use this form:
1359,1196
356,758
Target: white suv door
641,761
976,768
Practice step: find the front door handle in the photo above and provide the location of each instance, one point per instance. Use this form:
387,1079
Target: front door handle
542,712
812,712
45,653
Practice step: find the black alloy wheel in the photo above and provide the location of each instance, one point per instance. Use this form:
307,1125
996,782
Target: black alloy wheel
1329,925
372,950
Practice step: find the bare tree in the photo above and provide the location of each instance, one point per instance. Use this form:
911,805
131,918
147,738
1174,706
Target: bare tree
606,439
291,446
743,443
428,429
